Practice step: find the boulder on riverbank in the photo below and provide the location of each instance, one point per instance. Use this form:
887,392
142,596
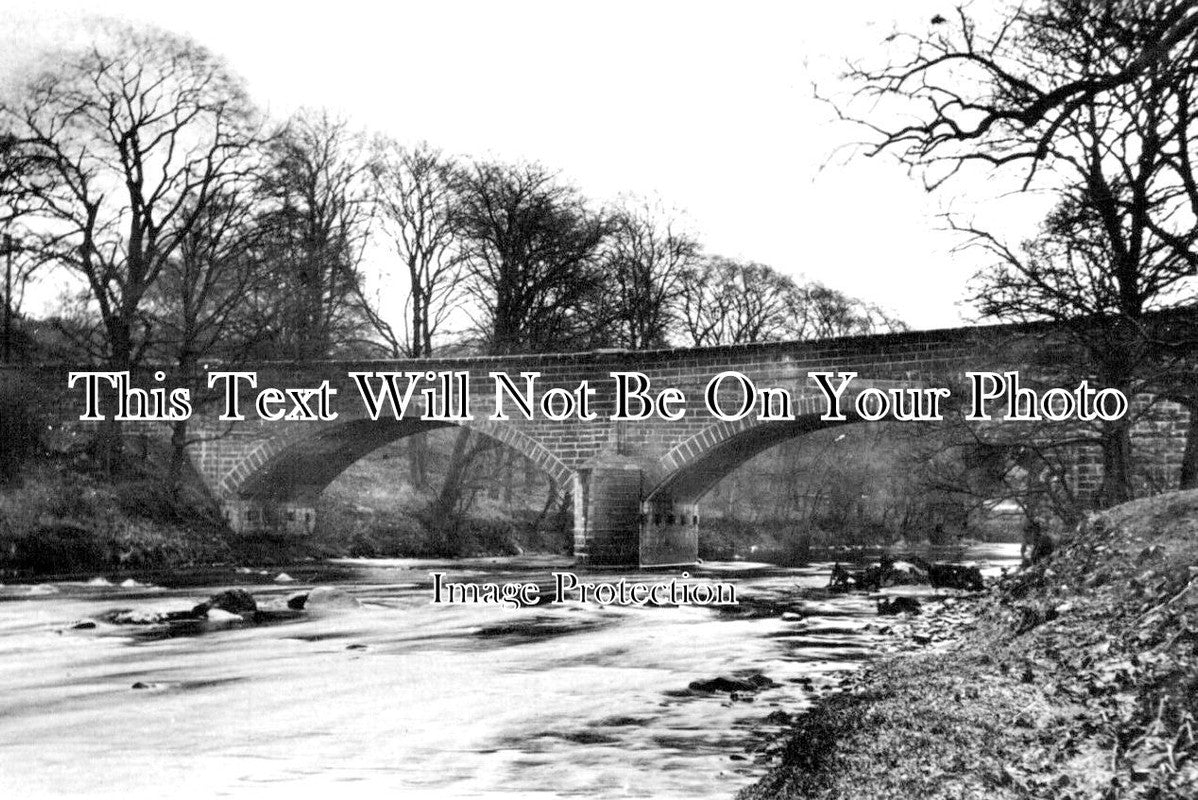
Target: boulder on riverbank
952,576
889,572
898,605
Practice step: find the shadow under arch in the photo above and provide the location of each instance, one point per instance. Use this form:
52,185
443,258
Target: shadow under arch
301,464
694,466
680,479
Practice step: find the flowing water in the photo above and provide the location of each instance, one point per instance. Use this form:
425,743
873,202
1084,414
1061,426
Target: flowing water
401,695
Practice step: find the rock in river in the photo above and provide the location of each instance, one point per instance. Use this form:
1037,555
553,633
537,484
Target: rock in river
136,616
721,684
726,684
234,601
322,597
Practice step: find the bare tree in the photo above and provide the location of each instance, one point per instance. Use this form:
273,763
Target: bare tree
19,262
131,140
1093,101
317,221
1015,91
531,247
416,194
646,256
10,205
415,190
817,312
725,301
531,250
199,305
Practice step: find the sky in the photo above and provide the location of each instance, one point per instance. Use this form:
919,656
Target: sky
709,107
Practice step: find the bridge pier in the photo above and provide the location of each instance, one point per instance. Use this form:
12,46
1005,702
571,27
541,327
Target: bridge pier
607,512
669,533
615,527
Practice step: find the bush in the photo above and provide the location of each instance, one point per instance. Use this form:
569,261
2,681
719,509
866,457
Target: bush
59,547
60,521
20,435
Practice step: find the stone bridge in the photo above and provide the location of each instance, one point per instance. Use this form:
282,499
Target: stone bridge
636,484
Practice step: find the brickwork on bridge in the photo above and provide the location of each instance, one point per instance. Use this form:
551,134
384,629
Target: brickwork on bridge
637,484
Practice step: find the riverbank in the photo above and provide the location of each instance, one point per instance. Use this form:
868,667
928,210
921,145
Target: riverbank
64,517
1079,679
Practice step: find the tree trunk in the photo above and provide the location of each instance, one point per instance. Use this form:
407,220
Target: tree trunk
508,468
418,462
178,456
451,487
110,436
187,367
1116,464
445,509
551,496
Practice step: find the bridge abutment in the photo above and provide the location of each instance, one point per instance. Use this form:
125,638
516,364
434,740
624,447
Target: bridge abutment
250,515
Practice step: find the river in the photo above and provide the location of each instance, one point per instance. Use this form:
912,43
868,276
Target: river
400,695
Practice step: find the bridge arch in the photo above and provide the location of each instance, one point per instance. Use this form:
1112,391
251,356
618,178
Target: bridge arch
691,468
282,475
680,478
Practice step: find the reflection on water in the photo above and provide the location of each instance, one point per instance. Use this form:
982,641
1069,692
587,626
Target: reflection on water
551,701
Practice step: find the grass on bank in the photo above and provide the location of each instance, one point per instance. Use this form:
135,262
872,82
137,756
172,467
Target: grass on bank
1080,681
